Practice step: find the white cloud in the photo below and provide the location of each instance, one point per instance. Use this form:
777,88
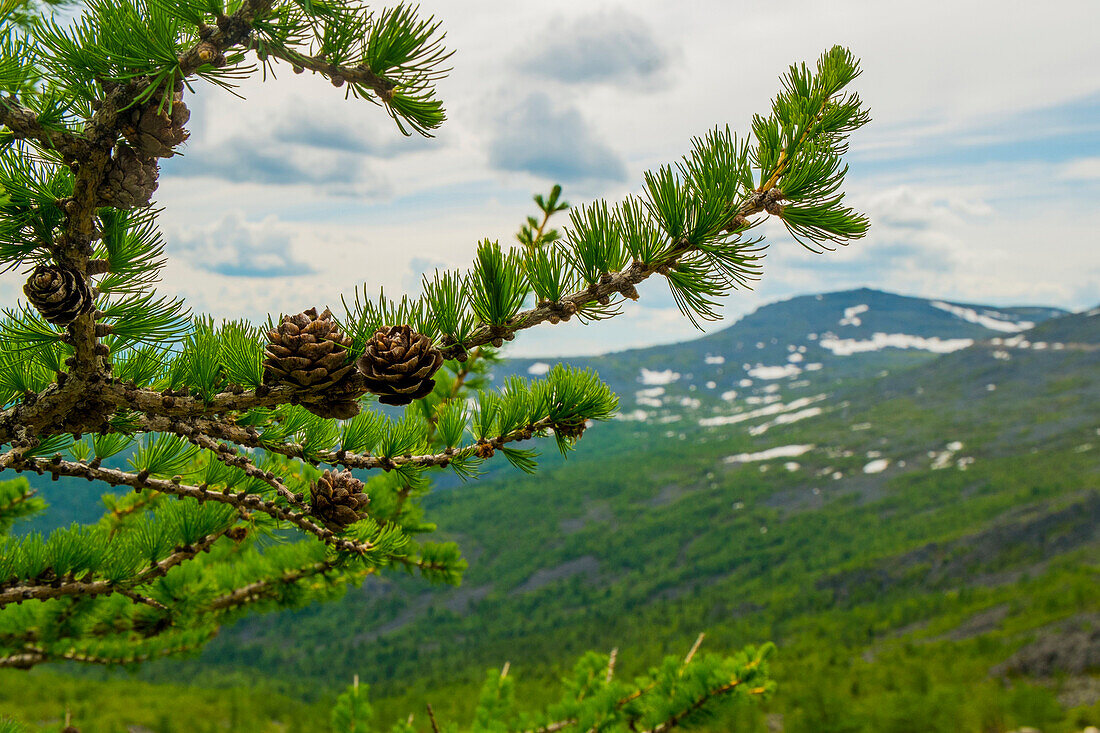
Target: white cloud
237,248
1082,169
537,136
608,46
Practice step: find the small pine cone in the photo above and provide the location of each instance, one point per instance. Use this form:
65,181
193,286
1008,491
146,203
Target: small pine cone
338,498
572,429
155,132
398,364
307,351
131,179
59,294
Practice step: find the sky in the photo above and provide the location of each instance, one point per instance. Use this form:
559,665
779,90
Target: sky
980,170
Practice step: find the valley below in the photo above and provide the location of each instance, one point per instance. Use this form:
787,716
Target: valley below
903,494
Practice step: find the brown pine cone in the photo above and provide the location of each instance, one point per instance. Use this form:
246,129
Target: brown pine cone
307,351
131,179
398,364
338,498
59,294
573,429
155,132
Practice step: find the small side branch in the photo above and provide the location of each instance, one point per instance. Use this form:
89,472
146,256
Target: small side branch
702,700
226,430
336,73
33,656
24,125
243,501
261,589
228,455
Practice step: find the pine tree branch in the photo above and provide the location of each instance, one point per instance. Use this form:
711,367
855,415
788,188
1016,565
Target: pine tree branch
17,500
18,594
34,656
261,589
784,158
231,31
24,660
117,515
431,717
347,459
699,702
243,501
24,125
146,600
228,455
336,73
666,725
619,283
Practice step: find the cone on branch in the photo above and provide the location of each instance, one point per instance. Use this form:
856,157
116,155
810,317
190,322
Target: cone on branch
573,429
155,130
398,364
131,179
309,352
59,293
337,498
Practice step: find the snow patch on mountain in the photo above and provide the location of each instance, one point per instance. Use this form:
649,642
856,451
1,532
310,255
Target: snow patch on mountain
782,371
877,466
992,320
636,415
772,409
666,376
784,419
782,451
880,341
1019,342
851,315
943,459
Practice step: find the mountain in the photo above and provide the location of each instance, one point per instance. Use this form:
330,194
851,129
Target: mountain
904,494
823,339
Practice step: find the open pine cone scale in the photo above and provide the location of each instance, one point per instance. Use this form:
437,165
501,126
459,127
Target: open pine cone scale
398,363
337,498
60,294
307,351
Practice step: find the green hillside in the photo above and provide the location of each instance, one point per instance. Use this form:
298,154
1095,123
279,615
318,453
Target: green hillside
919,534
